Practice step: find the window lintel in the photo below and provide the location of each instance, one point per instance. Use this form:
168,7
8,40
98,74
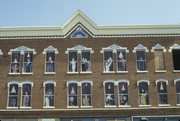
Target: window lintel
162,80
49,82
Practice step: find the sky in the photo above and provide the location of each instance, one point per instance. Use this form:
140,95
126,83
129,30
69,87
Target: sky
102,12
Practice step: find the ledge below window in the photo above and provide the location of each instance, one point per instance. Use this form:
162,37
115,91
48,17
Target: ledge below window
50,107
72,106
82,72
177,104
25,107
108,72
163,105
25,73
124,106
72,72
122,71
142,71
49,72
176,70
110,106
11,107
160,71
86,106
145,105
14,73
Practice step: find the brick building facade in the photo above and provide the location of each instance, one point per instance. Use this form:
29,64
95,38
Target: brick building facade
81,71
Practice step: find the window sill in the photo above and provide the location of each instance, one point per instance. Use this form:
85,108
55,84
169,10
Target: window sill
145,105
50,107
25,73
25,107
72,72
85,72
176,70
14,73
142,71
72,106
124,106
122,71
11,107
49,72
177,104
108,72
86,106
163,105
110,106
160,71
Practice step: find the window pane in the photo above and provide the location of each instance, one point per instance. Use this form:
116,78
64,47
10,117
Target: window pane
86,94
86,63
72,61
141,60
162,93
143,94
109,94
123,94
176,59
13,95
26,95
108,61
49,95
72,90
159,60
27,65
178,92
15,62
50,62
121,60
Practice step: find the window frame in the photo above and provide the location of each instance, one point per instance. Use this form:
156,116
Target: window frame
89,62
24,62
50,49
160,81
159,47
105,94
126,51
177,93
138,84
140,47
44,85
11,62
8,85
127,82
91,85
104,71
24,83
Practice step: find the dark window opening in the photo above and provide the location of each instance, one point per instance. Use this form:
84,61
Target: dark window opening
176,59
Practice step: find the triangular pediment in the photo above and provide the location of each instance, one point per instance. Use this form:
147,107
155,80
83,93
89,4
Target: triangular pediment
79,33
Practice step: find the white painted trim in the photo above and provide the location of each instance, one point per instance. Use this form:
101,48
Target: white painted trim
50,107
123,72
72,107
83,72
142,71
73,81
174,47
143,80
72,72
14,73
49,82
50,49
140,47
13,82
114,48
49,73
79,49
109,72
25,73
176,80
122,81
1,53
176,71
86,81
160,71
22,49
25,107
158,47
110,106
55,52
26,82
86,106
163,105
124,106
90,72
143,106
68,71
163,80
108,81
12,108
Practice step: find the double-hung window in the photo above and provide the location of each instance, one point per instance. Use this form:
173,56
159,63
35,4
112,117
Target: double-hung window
79,59
123,92
50,59
177,84
141,62
109,90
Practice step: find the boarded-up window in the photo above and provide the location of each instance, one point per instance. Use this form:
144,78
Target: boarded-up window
159,60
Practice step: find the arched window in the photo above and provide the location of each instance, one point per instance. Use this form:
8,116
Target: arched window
13,94
49,92
86,96
123,93
177,83
109,87
143,92
141,62
50,53
162,92
26,94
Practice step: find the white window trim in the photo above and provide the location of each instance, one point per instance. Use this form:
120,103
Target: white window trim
22,83
109,81
79,49
50,49
8,85
82,72
67,85
90,82
68,72
1,53
176,80
26,73
21,50
161,80
174,47
143,80
44,85
163,105
106,72
117,84
126,51
158,47
145,105
10,73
